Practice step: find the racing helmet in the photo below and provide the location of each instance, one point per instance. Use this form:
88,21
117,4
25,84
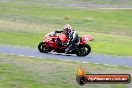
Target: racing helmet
67,29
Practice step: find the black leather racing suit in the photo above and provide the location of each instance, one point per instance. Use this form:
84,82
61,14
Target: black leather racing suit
74,40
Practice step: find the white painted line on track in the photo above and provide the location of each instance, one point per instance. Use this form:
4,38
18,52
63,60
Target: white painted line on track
21,55
40,57
31,56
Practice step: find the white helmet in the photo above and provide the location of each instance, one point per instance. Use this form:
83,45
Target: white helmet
67,29
67,26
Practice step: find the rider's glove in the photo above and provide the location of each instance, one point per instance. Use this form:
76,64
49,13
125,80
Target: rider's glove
65,44
52,33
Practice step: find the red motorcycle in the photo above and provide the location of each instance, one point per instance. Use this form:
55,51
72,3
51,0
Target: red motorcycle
50,43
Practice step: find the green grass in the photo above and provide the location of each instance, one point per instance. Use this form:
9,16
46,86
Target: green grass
12,76
23,39
84,19
118,45
26,24
26,72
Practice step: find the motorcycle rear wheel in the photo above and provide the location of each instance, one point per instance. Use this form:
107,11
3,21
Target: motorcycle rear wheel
83,50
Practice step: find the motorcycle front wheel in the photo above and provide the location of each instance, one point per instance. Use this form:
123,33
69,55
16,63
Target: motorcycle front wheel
42,48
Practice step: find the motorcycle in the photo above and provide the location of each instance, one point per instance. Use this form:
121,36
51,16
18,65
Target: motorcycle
50,43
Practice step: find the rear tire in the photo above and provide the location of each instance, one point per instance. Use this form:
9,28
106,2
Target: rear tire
42,48
83,50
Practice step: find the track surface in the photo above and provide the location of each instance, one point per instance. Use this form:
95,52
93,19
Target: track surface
117,6
96,58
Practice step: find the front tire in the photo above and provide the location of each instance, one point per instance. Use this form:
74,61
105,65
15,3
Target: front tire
83,50
42,48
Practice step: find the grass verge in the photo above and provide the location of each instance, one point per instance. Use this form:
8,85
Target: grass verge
27,72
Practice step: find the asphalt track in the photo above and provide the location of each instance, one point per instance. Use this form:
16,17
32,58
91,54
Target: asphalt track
116,6
95,58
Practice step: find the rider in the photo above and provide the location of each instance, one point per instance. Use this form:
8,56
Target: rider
71,35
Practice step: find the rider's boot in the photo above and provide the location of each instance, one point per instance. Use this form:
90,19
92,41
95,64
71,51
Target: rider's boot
69,49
